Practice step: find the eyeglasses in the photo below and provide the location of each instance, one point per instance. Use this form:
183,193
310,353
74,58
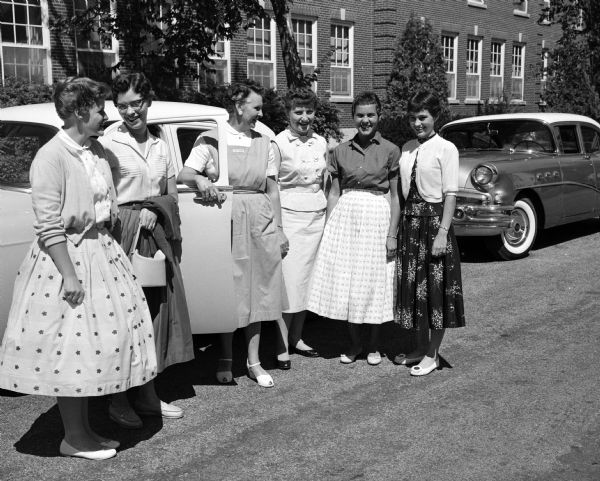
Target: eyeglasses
135,105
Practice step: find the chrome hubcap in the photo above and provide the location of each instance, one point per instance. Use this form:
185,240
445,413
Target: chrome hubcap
519,228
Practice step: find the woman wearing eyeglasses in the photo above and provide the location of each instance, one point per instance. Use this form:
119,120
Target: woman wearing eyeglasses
145,182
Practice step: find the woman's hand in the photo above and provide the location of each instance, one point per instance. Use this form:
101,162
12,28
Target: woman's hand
439,244
148,219
391,244
72,290
208,191
284,243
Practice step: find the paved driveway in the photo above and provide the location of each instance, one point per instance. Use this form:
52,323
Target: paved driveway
518,398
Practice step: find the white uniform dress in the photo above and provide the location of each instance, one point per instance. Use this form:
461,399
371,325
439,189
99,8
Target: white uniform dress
303,205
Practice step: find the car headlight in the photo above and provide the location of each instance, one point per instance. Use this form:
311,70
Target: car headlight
483,175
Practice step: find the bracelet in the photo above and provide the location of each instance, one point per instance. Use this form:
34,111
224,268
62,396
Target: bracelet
392,236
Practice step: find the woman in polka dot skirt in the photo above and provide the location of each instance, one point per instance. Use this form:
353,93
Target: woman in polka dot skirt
79,325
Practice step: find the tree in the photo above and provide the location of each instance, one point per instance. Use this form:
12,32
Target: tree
167,39
418,65
573,80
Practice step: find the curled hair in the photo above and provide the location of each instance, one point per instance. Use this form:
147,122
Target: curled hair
425,101
366,98
303,97
237,93
77,94
136,81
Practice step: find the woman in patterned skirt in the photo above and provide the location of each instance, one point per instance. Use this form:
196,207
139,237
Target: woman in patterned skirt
354,270
78,325
429,279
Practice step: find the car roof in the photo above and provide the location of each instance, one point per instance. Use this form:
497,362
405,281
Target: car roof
548,117
159,112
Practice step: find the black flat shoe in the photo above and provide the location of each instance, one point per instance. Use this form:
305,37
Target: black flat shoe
284,365
305,353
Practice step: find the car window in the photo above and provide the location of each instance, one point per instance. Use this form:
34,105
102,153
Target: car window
18,145
568,139
186,138
591,139
514,135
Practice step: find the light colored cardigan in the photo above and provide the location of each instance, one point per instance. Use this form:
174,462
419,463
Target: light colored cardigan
61,193
437,168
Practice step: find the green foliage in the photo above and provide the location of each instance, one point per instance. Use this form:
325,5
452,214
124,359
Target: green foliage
418,65
573,83
274,115
19,92
501,106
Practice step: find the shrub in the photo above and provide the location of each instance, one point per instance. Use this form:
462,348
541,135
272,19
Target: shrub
19,92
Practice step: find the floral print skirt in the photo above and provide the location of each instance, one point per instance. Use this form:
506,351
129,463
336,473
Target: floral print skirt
102,346
429,291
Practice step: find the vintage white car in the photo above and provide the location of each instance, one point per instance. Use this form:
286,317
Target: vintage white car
206,230
520,173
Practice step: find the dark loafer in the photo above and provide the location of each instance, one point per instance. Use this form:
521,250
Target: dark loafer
284,365
126,418
305,352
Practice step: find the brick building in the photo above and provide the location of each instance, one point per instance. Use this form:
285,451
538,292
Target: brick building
490,47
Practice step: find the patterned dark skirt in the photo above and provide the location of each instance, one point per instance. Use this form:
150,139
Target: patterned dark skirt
429,289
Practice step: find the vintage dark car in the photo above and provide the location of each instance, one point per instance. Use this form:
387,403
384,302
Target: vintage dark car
520,173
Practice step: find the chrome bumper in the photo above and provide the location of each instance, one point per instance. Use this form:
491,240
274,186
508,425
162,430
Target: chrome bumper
481,220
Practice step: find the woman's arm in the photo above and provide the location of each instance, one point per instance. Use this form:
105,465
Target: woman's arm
333,197
72,289
441,239
192,178
392,237
273,193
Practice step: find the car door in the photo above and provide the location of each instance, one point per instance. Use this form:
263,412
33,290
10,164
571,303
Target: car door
206,262
590,135
19,143
579,180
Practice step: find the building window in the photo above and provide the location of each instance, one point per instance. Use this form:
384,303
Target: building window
217,73
449,51
521,7
306,41
544,73
473,69
546,16
496,71
25,40
341,60
96,51
261,52
518,58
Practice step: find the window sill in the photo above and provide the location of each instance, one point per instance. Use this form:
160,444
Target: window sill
521,13
518,102
341,99
453,101
476,4
473,101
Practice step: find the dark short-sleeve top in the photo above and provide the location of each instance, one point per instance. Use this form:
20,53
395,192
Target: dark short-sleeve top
371,168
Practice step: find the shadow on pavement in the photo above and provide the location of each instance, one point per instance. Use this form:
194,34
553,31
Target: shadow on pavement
45,434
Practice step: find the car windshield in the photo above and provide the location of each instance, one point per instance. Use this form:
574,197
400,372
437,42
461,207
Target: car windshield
511,135
19,143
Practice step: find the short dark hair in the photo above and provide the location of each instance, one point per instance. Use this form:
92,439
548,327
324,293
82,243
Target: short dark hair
366,98
301,97
77,94
239,92
136,81
425,100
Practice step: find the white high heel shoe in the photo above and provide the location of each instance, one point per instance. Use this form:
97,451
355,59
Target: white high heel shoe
263,380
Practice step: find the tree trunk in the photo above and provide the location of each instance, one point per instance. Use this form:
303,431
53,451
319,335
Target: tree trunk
289,51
